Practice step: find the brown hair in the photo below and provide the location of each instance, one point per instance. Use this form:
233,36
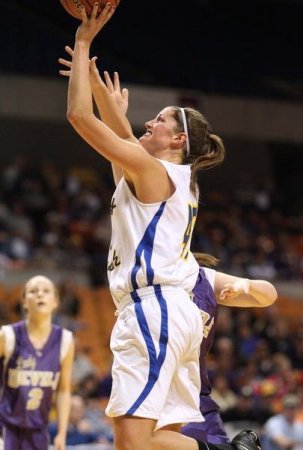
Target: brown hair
206,149
204,259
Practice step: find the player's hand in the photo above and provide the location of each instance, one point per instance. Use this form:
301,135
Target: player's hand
120,96
91,26
234,290
67,63
59,442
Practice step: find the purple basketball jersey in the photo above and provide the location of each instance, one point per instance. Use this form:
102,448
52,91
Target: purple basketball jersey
29,379
205,299
212,430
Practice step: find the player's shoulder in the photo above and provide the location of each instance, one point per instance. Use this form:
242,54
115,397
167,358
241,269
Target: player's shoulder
11,328
68,333
208,273
67,343
8,338
64,332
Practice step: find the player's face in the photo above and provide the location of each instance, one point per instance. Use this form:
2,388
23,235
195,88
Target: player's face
40,296
160,132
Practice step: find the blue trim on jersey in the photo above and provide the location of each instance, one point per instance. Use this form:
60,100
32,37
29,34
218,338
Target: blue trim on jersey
155,362
146,245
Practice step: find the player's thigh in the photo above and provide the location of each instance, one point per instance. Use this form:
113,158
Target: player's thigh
11,438
132,432
35,440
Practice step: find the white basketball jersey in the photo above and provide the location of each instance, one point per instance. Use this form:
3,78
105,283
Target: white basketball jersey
151,242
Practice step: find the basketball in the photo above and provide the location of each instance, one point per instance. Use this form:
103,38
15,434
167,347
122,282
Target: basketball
73,6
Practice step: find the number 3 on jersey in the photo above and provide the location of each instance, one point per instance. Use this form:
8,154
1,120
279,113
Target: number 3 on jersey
35,396
192,216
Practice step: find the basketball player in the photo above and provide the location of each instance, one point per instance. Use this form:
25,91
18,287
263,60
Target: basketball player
157,336
36,359
212,289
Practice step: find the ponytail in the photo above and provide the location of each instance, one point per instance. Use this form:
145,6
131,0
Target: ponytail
213,155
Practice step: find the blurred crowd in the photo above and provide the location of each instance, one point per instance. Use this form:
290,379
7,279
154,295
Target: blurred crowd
51,218
54,218
254,229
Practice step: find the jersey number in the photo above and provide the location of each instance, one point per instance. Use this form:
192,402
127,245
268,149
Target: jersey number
192,216
206,326
35,396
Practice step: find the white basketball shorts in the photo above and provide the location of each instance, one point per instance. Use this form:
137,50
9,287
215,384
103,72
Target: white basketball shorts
155,343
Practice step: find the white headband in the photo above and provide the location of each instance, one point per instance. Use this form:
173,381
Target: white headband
185,130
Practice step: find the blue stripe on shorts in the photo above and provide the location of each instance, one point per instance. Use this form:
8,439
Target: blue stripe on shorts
156,362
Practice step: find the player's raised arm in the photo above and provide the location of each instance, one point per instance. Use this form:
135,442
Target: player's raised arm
131,157
112,104
110,99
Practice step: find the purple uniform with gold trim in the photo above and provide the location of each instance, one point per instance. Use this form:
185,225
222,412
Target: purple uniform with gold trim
212,430
29,379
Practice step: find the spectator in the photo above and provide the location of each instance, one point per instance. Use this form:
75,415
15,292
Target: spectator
99,423
82,366
222,394
282,431
247,410
78,430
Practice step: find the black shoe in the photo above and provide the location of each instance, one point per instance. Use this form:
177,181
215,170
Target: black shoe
246,440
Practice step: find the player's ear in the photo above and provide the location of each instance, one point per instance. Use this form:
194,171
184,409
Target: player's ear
179,140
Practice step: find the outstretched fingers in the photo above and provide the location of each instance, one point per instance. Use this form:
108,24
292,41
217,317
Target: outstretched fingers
91,25
94,72
108,81
65,62
117,82
69,50
95,10
107,12
125,95
83,14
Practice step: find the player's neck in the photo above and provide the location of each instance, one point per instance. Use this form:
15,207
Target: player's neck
39,327
173,156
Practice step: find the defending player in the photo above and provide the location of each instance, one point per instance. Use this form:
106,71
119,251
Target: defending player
212,289
36,358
